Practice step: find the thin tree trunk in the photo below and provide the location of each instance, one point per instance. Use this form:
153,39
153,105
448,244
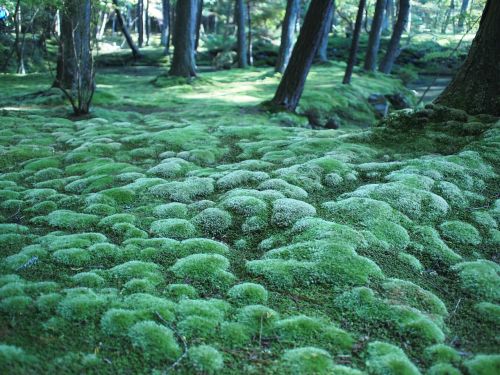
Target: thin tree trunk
124,29
140,22
463,14
355,43
388,15
292,84
198,24
250,34
393,48
183,61
19,45
323,47
374,38
287,34
102,28
165,31
147,22
448,17
476,87
241,21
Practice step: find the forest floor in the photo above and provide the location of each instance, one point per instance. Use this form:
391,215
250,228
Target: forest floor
181,229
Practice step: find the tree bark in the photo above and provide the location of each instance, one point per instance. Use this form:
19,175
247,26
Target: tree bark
124,29
165,30
241,21
374,38
140,22
463,14
183,61
355,43
287,34
393,48
388,16
250,35
19,44
448,16
292,84
198,24
476,87
147,22
323,46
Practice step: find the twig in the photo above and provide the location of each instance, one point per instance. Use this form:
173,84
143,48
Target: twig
184,343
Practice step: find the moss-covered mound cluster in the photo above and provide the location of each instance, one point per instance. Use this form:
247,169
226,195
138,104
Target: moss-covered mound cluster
150,243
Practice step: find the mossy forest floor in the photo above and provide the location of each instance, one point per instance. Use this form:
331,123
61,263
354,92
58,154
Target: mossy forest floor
180,229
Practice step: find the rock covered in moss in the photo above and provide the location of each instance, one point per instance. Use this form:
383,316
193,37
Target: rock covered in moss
387,359
208,269
156,342
287,211
173,228
248,294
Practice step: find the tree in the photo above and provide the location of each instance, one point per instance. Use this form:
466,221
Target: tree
463,14
183,61
476,87
355,43
374,38
287,34
140,22
199,15
240,14
292,83
165,30
323,46
393,48
124,29
75,71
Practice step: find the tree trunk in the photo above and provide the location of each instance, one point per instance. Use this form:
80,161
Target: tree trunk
102,28
287,34
250,34
476,87
19,44
374,38
241,21
292,84
323,46
393,48
165,30
147,22
448,17
140,22
355,43
388,16
76,71
198,24
183,61
463,14
124,29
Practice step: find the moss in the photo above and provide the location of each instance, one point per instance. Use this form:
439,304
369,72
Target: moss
88,279
480,278
16,305
258,318
105,253
197,327
71,220
117,322
174,228
248,294
289,190
460,233
386,359
111,220
441,353
82,306
171,210
171,168
73,257
307,360
180,291
428,242
245,206
411,262
47,303
234,334
184,191
150,305
302,329
287,211
443,369
120,195
203,269
483,364
139,286
14,359
212,309
135,269
206,359
202,245
213,221
489,311
241,178
155,341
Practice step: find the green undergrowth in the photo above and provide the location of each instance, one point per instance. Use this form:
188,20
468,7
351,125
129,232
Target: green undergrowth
225,243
